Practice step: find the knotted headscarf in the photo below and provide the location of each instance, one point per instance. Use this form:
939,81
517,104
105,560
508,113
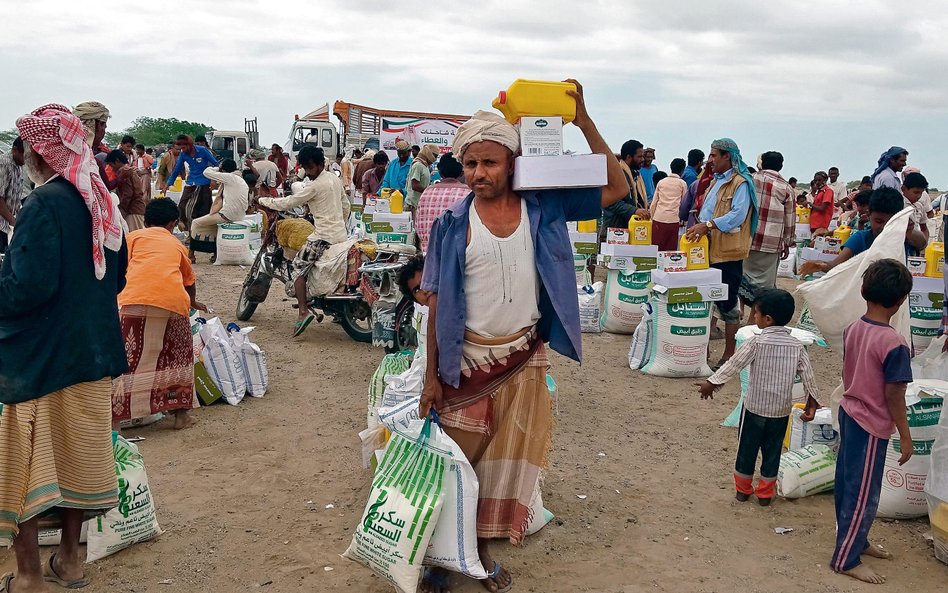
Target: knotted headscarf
740,167
884,159
90,112
59,137
485,125
428,155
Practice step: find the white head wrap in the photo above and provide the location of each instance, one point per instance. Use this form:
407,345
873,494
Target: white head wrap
89,113
485,125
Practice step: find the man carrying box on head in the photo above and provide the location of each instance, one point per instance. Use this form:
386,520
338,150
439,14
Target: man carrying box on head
728,216
500,270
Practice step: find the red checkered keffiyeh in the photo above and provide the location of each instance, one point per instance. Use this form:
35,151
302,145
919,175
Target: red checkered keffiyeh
59,137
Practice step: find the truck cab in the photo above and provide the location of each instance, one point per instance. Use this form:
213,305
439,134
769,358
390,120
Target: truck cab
234,144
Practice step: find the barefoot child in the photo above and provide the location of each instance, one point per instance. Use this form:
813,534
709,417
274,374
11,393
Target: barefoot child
775,358
875,372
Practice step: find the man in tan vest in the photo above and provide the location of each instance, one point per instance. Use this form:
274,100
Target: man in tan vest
727,214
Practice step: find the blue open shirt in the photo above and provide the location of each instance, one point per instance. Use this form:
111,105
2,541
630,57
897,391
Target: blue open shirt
740,202
202,159
548,211
396,176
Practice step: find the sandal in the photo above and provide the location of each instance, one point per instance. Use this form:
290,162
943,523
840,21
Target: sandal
5,581
492,575
302,325
50,576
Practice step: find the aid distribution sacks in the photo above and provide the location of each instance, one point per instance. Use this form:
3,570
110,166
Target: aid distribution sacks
806,471
678,338
404,505
233,243
622,300
590,307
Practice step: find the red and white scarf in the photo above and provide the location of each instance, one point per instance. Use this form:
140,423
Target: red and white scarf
59,137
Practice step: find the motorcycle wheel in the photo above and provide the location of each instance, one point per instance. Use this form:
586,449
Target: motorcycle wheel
256,276
356,320
406,338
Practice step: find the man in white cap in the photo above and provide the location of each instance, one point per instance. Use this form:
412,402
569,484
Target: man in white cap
500,270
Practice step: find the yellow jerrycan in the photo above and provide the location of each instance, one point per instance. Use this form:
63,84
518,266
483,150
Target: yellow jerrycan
536,98
586,226
696,252
396,202
935,260
842,233
803,215
640,231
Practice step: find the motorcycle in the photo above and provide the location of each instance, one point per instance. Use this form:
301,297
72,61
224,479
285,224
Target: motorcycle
353,308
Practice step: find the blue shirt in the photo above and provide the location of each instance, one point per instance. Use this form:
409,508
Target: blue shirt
689,175
396,175
548,211
739,204
202,159
647,173
860,241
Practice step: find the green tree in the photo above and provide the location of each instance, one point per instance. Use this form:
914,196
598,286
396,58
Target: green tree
8,136
157,130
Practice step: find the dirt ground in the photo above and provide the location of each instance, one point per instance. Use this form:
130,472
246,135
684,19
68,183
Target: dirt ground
242,496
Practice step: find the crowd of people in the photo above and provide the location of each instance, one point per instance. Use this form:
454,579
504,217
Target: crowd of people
496,277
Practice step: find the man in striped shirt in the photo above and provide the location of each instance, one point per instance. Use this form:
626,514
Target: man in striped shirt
775,358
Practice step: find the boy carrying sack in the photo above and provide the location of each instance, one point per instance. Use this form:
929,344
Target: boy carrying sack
775,358
876,369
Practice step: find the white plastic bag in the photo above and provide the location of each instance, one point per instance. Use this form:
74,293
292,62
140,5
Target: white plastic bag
590,307
806,471
936,490
786,268
932,363
392,364
404,505
134,520
903,486
233,244
835,300
223,362
678,341
253,361
639,348
622,300
819,431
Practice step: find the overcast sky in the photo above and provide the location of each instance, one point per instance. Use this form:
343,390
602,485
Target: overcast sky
826,83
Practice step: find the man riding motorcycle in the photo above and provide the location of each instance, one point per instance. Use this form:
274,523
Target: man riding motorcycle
323,193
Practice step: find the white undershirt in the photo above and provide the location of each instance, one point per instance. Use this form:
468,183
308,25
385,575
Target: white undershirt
500,279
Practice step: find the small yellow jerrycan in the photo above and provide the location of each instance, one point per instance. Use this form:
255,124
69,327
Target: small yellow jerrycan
396,202
586,226
935,260
696,252
536,98
842,233
640,231
803,215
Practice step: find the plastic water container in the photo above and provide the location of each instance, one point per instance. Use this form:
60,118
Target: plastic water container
586,226
842,233
536,98
938,517
696,252
803,215
935,260
396,202
640,231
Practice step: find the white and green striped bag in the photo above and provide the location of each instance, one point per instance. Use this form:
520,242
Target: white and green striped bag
392,364
403,508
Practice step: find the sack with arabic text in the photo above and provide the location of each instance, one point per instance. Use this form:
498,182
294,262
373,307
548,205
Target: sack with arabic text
678,338
133,520
403,508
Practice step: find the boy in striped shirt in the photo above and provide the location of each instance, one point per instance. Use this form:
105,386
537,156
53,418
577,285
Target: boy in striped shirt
876,369
775,358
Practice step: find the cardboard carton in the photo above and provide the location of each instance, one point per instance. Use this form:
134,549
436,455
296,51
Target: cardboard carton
584,243
552,172
617,236
541,136
205,388
672,261
629,250
692,294
811,254
628,263
688,278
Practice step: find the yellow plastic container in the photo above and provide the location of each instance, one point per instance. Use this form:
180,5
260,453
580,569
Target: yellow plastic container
842,233
385,193
396,202
935,260
640,231
786,437
536,98
696,252
803,215
938,517
586,226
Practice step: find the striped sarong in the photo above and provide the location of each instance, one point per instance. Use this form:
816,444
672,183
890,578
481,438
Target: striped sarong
160,351
507,437
56,451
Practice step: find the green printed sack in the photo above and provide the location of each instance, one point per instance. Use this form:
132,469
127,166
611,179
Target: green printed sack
133,521
392,364
403,508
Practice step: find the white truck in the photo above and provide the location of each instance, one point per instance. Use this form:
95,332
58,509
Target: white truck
235,144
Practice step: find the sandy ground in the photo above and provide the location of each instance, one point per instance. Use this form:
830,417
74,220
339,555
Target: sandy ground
242,496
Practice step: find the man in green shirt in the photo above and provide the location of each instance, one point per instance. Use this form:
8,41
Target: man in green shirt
419,175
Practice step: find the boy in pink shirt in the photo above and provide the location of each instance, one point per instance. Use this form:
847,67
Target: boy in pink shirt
876,369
